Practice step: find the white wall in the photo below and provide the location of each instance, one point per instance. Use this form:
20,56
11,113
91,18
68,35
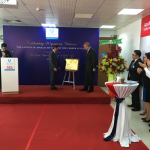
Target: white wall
130,35
1,33
107,33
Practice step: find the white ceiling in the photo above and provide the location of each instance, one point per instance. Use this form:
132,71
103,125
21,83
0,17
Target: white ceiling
62,12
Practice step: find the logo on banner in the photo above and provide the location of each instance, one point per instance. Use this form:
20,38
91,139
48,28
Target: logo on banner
52,30
10,65
52,33
146,26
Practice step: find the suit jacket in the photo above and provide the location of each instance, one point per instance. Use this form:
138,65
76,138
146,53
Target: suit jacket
53,60
7,53
133,75
90,60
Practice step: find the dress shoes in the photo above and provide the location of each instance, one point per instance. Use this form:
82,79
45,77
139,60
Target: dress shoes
135,109
142,114
131,105
143,118
83,89
146,120
89,91
53,88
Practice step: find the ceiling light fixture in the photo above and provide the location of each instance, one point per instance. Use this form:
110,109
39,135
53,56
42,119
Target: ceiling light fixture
108,26
130,11
48,25
13,21
83,15
38,9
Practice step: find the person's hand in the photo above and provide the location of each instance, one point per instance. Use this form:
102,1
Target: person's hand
94,70
4,55
55,69
142,65
126,66
139,70
58,68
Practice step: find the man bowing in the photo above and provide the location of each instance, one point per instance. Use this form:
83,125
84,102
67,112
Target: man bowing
53,66
3,53
90,68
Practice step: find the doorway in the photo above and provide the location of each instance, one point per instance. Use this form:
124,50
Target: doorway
102,77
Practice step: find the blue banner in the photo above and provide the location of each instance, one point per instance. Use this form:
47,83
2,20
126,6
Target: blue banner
32,49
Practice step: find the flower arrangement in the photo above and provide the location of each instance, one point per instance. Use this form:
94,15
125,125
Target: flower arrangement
112,63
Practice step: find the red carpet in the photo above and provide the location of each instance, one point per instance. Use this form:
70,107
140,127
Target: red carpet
57,127
36,94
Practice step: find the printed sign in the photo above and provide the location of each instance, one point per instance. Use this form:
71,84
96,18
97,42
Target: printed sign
145,26
103,54
10,64
72,64
104,42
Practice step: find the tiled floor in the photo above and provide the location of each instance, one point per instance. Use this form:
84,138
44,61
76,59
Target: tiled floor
137,125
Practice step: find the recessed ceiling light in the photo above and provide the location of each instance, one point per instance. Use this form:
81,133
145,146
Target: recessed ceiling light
83,15
13,21
107,26
48,25
130,11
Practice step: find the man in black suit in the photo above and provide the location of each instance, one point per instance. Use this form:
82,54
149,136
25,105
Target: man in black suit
90,68
53,66
3,53
133,75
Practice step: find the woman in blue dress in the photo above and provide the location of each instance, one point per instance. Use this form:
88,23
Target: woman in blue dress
144,93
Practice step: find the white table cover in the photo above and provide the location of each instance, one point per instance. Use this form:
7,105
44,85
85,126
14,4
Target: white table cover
123,134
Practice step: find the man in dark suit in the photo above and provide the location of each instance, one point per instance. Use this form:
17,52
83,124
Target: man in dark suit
53,66
133,75
90,68
3,53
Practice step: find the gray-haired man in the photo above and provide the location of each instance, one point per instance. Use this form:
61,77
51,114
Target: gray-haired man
90,68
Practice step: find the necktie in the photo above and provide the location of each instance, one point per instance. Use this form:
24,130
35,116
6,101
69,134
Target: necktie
132,66
3,53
